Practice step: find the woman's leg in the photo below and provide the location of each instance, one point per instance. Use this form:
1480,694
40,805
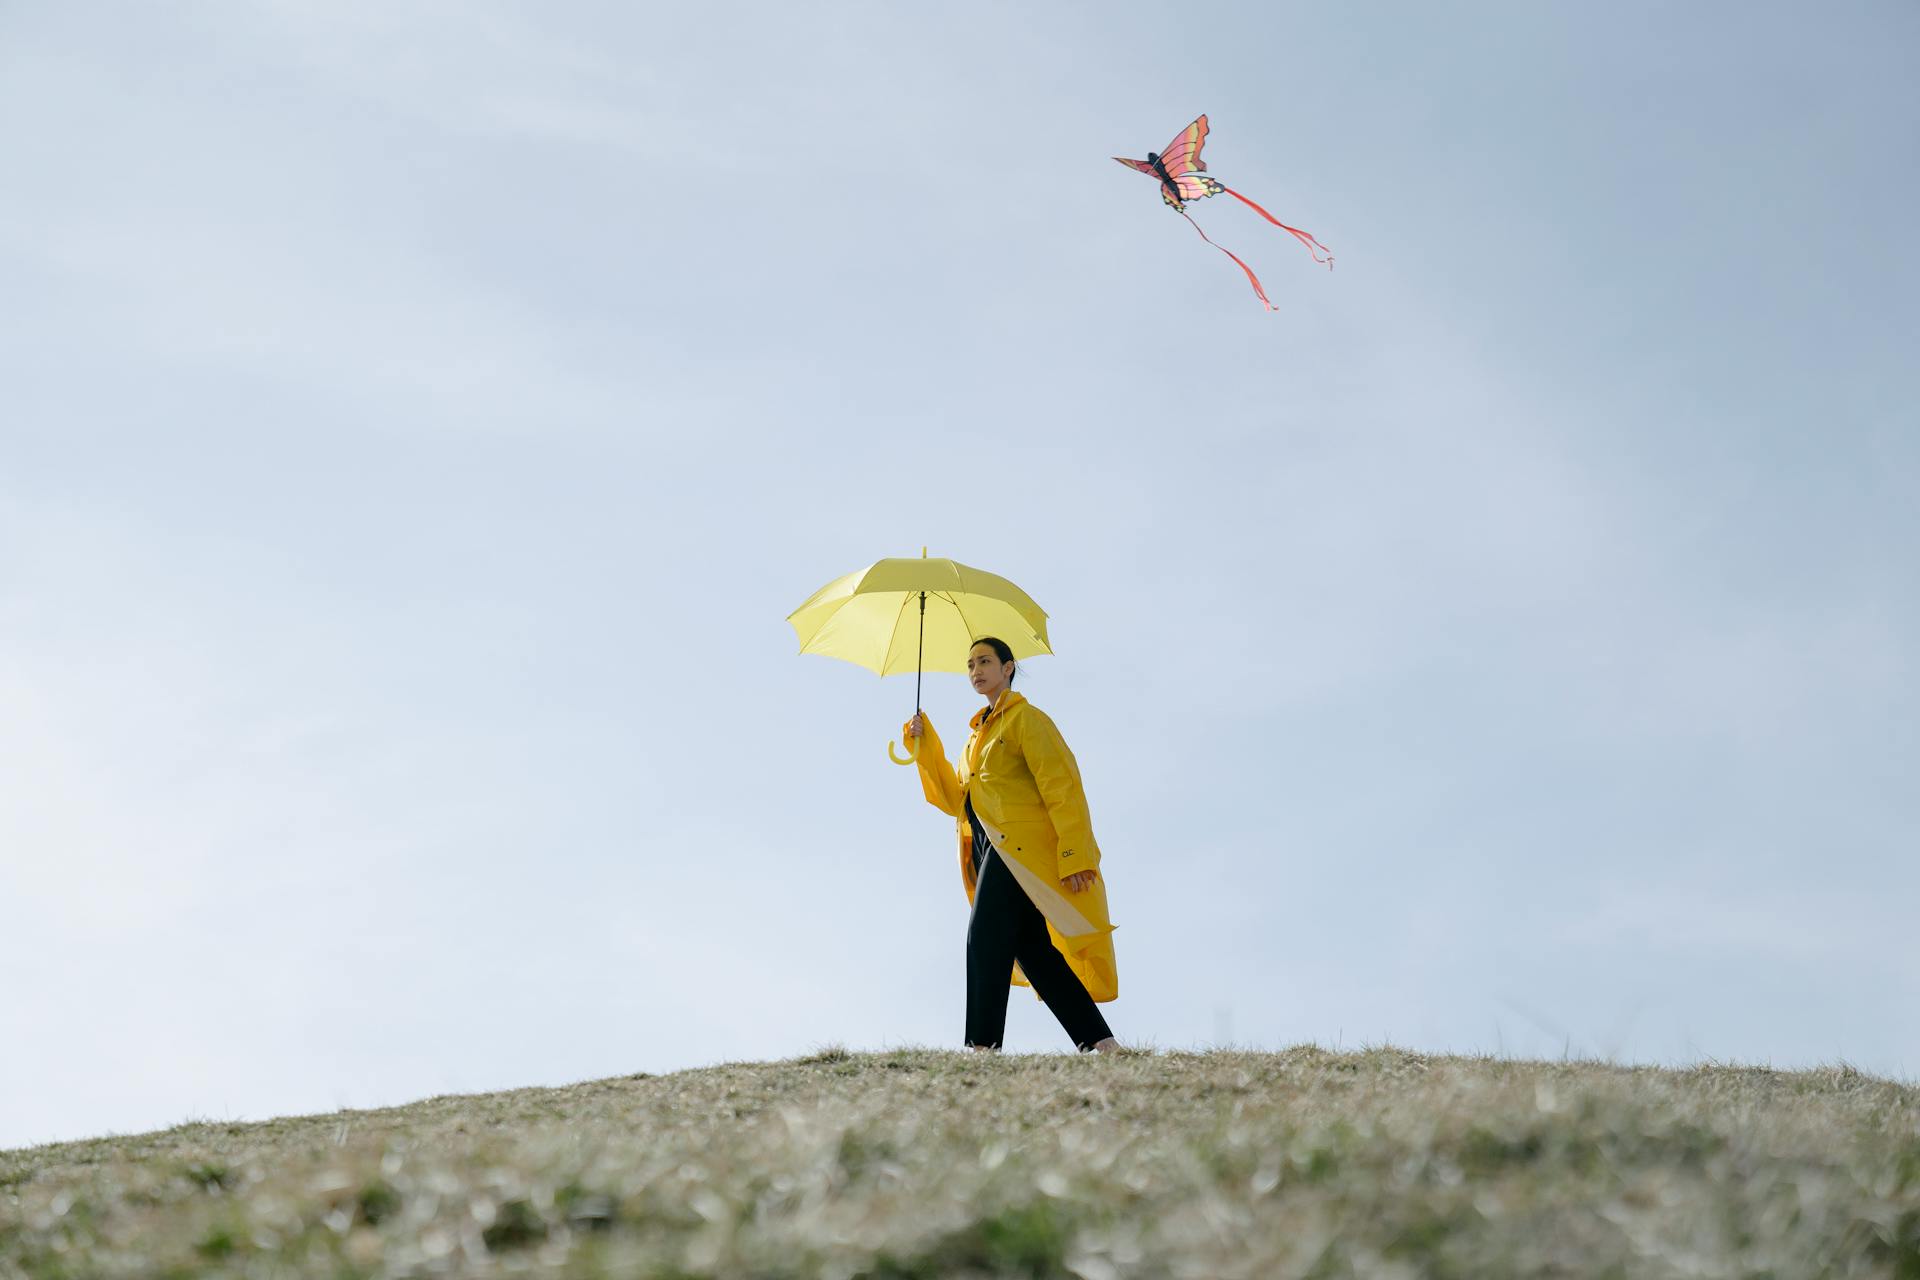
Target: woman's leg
990,948
1053,977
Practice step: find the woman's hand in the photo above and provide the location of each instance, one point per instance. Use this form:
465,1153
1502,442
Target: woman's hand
1079,880
913,726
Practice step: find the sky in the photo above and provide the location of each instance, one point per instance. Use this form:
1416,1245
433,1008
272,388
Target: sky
419,420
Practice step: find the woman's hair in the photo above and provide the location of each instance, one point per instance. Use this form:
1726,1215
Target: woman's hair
1000,651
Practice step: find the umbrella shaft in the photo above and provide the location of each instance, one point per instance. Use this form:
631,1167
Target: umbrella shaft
922,655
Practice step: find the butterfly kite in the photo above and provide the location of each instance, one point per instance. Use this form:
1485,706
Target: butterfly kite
1183,177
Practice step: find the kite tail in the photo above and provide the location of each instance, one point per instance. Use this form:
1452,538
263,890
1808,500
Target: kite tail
1252,279
1295,232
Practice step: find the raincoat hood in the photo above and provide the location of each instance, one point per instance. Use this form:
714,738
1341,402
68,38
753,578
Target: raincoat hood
1008,701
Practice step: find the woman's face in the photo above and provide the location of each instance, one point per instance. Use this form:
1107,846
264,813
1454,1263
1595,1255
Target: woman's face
988,673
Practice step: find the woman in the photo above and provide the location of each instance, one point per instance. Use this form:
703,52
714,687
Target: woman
1027,860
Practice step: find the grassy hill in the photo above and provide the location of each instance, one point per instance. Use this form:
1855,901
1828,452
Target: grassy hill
929,1163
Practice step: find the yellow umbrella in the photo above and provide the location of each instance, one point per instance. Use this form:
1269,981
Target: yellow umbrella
863,618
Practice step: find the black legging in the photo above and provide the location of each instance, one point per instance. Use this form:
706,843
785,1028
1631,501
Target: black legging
1005,927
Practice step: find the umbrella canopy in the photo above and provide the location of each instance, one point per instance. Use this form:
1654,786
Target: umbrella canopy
871,617
900,615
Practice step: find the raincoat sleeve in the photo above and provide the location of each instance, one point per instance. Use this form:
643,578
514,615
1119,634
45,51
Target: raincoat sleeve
1058,777
940,780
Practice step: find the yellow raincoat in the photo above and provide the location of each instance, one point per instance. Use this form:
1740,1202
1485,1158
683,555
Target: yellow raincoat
1026,790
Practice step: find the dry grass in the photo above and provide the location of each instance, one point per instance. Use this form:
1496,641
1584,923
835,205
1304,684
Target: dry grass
929,1163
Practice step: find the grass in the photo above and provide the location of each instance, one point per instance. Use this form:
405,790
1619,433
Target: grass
925,1164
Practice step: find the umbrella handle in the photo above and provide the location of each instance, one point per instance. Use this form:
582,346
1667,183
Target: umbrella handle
912,758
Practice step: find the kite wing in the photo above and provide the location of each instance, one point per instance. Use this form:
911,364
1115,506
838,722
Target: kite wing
1191,186
1183,153
1184,165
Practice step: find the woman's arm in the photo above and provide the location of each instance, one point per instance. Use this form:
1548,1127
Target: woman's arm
940,780
1057,775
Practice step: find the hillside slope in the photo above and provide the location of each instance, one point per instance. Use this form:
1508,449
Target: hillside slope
929,1163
